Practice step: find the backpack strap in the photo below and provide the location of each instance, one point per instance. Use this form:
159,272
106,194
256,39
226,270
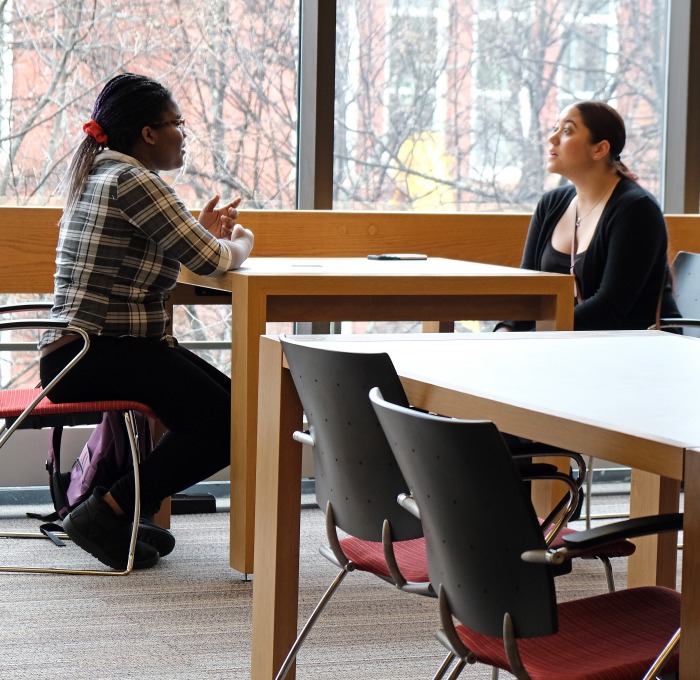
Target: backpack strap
58,481
50,531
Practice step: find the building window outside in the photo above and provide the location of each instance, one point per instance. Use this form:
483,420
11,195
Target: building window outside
232,65
459,121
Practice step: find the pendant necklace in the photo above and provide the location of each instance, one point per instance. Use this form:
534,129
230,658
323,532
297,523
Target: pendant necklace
574,245
577,219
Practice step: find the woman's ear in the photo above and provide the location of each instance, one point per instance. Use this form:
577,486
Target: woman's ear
601,149
148,135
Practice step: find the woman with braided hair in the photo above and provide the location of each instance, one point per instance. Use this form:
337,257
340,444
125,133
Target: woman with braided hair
123,235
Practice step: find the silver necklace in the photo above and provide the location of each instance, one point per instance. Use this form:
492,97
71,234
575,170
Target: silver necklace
577,219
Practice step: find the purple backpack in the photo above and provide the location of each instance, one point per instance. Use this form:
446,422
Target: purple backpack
105,458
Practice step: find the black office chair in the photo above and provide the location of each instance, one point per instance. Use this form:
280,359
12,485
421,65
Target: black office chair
460,470
357,478
685,272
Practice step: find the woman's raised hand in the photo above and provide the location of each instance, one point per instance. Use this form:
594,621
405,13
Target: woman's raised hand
220,222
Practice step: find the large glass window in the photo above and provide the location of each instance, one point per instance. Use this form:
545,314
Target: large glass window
445,104
232,66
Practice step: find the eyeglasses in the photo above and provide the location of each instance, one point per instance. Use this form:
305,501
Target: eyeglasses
179,123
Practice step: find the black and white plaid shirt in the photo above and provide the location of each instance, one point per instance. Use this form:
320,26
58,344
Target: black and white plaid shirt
119,251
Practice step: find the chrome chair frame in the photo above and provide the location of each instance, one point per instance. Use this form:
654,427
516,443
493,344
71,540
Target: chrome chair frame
86,414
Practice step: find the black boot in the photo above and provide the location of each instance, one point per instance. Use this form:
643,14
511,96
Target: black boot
95,528
154,535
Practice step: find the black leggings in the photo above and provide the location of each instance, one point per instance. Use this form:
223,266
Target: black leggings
191,398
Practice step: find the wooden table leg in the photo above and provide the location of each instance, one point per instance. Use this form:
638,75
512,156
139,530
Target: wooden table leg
278,494
247,325
654,562
690,607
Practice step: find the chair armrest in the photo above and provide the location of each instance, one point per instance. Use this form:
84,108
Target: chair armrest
303,438
563,510
677,323
629,528
407,502
584,541
537,450
29,324
26,307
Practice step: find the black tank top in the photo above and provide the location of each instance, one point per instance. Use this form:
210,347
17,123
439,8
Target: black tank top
560,263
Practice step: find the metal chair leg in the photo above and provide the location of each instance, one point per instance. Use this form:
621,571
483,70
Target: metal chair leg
292,655
131,432
457,670
663,657
445,665
609,577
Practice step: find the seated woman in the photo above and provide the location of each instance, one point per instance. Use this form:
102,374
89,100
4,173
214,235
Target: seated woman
602,227
123,235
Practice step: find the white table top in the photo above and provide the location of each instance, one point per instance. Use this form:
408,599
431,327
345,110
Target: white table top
638,383
342,266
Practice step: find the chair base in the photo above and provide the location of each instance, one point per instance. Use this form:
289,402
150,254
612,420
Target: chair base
59,570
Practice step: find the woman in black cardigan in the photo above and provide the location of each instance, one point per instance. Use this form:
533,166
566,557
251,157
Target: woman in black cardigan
613,227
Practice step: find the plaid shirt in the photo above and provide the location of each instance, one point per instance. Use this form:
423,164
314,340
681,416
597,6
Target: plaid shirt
119,251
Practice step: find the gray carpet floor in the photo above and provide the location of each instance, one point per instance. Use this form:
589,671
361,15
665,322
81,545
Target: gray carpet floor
189,617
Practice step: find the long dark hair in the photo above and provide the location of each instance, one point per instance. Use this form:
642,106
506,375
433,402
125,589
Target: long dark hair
605,123
127,103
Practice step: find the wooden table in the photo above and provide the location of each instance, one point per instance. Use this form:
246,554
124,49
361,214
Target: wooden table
357,289
627,397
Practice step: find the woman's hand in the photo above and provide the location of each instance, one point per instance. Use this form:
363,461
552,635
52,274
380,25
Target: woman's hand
240,245
220,222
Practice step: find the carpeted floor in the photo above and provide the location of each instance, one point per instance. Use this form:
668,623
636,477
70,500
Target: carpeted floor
189,617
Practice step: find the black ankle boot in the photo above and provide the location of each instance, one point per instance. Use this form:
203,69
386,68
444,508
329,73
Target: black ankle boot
154,535
95,528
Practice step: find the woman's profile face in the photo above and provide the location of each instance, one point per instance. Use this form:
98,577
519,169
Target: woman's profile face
569,149
168,134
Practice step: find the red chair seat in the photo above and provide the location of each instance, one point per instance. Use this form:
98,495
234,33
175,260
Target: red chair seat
616,625
413,562
13,403
368,556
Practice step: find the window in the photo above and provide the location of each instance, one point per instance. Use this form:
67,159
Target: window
445,105
232,66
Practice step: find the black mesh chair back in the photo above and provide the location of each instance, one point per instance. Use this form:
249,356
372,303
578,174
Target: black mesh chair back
354,467
477,519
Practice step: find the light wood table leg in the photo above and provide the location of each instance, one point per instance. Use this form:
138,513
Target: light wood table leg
276,580
558,312
247,325
690,607
654,562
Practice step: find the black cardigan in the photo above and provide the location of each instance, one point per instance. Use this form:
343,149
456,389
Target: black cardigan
624,266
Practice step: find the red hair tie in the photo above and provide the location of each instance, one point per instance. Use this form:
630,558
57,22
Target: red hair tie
94,130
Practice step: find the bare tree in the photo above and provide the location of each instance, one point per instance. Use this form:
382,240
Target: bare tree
509,67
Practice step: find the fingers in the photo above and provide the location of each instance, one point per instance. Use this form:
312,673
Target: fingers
239,231
235,202
211,204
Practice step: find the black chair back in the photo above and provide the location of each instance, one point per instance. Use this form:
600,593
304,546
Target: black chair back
354,467
477,520
686,287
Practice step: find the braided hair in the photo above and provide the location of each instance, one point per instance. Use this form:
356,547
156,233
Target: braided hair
605,123
127,103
